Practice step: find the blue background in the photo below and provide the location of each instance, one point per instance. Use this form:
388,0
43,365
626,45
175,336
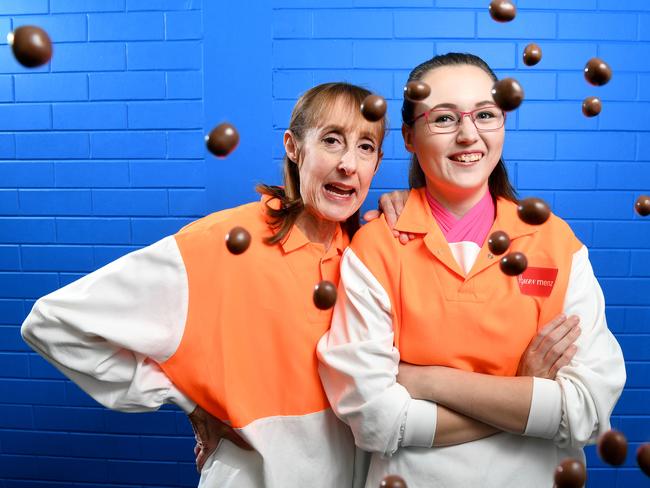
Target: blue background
101,152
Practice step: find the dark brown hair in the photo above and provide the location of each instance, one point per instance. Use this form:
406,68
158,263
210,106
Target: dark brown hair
307,113
498,181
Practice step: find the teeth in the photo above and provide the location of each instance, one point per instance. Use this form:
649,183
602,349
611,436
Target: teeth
468,158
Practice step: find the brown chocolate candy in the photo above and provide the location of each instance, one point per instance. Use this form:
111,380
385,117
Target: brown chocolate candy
222,140
643,458
591,106
597,72
31,45
514,263
612,447
373,108
324,295
642,205
498,242
502,10
533,211
507,94
392,481
238,240
532,54
570,473
416,90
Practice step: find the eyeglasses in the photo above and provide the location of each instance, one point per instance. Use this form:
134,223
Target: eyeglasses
444,120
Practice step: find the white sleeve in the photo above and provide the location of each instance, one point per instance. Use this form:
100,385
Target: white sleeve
585,391
359,365
109,330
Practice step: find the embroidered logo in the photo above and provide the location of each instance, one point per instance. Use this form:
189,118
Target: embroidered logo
537,282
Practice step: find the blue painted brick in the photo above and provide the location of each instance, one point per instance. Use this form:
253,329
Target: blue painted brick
181,55
51,145
312,54
291,83
609,263
21,7
54,468
625,116
187,203
76,397
7,146
529,145
66,278
631,477
167,448
635,235
158,423
596,146
391,174
27,285
615,317
93,231
60,28
60,6
632,402
54,202
15,417
39,368
635,347
393,3
623,176
377,81
155,174
390,54
8,63
126,27
127,86
136,145
627,5
89,116
429,24
183,25
14,365
643,142
637,320
185,84
560,55
292,24
499,55
537,86
25,117
10,340
143,472
133,5
281,113
103,255
353,24
310,3
557,175
185,145
9,259
11,312
97,56
26,230
459,3
113,174
6,88
640,264
558,4
593,205
644,27
165,115
637,428
5,29
598,25
624,56
554,116
37,392
584,231
130,202
57,258
573,86
542,24
8,202
51,87
626,291
148,231
644,87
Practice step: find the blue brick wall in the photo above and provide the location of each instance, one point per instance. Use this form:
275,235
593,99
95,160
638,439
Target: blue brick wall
101,152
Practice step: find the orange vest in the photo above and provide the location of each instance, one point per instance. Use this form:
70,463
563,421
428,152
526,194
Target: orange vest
248,348
481,322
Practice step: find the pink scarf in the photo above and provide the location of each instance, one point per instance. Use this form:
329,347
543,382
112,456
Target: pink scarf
473,226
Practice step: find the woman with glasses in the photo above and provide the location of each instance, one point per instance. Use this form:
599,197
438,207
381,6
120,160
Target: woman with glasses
459,410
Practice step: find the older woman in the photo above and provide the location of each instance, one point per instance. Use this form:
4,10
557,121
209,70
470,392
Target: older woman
441,300
233,337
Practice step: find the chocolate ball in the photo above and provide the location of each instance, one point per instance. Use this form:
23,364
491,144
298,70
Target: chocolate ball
570,473
532,54
222,140
238,240
643,458
498,242
533,211
373,108
416,90
31,45
507,94
612,447
642,205
597,72
392,481
591,106
502,10
324,295
513,264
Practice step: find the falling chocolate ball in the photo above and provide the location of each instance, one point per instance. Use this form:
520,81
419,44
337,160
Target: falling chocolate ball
642,205
31,45
612,447
507,94
373,108
570,473
532,54
498,242
416,90
643,458
597,72
238,240
591,106
533,211
502,10
324,295
222,140
392,481
513,264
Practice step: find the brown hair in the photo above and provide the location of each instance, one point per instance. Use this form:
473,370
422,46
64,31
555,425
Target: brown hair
306,114
498,181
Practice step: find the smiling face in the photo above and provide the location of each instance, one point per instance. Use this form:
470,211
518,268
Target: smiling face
456,165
